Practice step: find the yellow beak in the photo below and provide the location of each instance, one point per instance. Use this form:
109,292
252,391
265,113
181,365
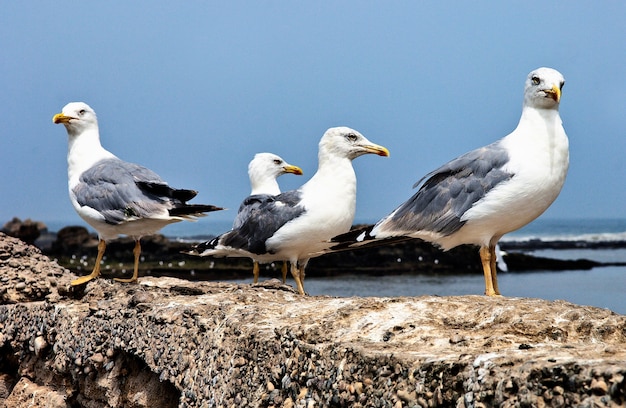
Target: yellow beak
293,169
555,93
61,118
376,149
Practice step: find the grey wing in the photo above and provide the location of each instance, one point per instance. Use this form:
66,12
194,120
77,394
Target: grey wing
264,221
248,206
448,192
112,187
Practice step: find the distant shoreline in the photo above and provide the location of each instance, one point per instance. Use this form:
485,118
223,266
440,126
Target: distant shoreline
557,231
522,251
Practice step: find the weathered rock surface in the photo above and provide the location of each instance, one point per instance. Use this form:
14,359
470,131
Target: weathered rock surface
26,274
168,342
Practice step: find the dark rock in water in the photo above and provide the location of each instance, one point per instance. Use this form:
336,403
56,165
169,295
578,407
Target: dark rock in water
534,244
412,256
521,262
73,238
78,241
168,342
164,257
416,256
27,230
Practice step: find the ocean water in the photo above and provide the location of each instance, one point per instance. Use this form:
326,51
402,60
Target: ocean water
602,287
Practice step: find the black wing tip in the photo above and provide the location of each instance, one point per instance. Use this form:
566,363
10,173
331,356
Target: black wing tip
184,195
207,207
361,238
162,189
347,240
194,209
352,235
368,242
199,249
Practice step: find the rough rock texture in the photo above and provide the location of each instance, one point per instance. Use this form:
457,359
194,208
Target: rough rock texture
168,342
27,275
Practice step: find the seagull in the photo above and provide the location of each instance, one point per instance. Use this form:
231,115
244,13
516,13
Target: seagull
488,192
296,225
263,171
116,197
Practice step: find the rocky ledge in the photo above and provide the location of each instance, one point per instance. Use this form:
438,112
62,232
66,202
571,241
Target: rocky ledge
167,342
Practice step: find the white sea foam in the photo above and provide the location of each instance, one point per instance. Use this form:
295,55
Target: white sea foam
590,237
587,230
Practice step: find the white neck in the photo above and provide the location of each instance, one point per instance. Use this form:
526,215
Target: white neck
264,186
548,115
549,123
335,176
84,151
333,164
539,138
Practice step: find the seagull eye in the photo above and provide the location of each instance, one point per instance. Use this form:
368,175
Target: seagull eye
562,84
81,112
277,162
352,137
535,80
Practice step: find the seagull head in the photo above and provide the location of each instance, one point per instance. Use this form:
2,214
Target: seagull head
269,165
543,88
348,143
265,168
76,117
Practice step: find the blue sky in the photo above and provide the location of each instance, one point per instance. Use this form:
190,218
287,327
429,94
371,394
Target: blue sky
194,89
